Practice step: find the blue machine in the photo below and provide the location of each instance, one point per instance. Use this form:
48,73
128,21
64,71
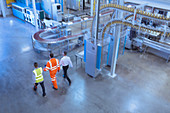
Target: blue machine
19,10
47,6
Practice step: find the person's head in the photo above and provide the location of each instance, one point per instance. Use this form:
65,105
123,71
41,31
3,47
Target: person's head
65,53
35,64
51,55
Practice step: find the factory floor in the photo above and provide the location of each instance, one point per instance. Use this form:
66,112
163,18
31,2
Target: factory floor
142,84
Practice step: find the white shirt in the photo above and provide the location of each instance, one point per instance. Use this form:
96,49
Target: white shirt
66,61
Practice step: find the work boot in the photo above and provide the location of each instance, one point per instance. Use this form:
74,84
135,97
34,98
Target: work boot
69,83
55,88
34,88
44,95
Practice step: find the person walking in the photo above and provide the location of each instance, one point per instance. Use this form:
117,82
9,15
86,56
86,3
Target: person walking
53,66
66,62
38,78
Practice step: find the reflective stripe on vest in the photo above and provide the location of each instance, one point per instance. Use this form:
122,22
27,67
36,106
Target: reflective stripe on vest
38,75
54,67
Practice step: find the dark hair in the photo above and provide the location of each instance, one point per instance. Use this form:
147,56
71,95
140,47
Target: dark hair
51,55
35,64
65,53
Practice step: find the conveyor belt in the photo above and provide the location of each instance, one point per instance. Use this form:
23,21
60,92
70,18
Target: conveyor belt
158,46
37,37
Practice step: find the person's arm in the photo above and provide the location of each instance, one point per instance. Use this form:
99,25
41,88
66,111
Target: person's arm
61,62
41,70
58,65
70,62
47,67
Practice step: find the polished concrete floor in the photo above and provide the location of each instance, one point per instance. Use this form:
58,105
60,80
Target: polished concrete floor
142,84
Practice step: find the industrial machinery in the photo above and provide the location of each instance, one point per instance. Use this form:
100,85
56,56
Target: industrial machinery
52,10
52,23
143,25
55,39
139,30
68,17
26,13
57,12
149,40
19,10
29,16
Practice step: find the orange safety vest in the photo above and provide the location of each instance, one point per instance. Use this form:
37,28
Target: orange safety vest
52,65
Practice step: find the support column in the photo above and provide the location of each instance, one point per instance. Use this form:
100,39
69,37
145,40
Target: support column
3,8
97,21
115,50
35,14
116,43
92,1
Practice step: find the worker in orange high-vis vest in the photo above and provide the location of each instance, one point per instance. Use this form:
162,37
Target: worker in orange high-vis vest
53,66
